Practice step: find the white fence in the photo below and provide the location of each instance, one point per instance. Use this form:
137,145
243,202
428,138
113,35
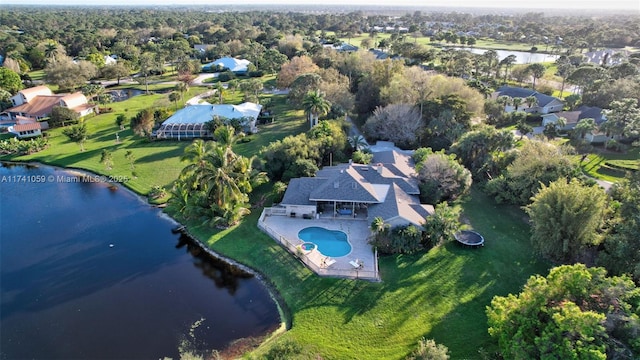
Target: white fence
308,258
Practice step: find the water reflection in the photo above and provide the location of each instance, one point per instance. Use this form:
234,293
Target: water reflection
89,272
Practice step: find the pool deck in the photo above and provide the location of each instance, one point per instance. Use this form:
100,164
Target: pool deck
284,230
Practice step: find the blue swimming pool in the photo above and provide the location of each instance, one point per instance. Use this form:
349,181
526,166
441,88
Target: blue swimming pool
330,242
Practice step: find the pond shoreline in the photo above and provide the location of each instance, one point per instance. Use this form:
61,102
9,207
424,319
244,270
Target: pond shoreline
283,309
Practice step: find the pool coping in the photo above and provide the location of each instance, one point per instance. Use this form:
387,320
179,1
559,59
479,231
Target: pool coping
284,230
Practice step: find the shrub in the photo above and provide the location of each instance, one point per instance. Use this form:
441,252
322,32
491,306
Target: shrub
429,350
226,76
256,73
362,157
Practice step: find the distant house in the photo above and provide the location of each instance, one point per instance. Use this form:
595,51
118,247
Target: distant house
110,59
201,48
545,104
237,66
37,103
606,57
190,122
573,117
379,54
23,131
387,190
343,47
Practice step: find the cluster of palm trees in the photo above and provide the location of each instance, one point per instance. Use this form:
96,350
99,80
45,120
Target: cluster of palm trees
516,102
215,186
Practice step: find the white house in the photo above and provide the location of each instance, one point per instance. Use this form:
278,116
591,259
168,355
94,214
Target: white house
237,66
24,131
26,95
37,103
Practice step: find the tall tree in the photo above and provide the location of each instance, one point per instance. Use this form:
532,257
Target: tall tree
507,62
537,71
315,105
442,178
10,80
623,118
566,219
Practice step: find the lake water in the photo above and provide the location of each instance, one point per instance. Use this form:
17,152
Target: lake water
89,272
522,57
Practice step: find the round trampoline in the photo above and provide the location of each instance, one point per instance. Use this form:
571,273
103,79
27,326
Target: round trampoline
469,238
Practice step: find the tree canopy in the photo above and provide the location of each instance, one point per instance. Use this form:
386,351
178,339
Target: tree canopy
536,163
574,313
567,218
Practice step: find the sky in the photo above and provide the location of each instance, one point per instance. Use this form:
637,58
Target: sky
633,5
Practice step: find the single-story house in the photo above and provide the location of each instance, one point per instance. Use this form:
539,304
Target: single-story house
545,104
573,117
36,103
387,189
28,130
237,66
343,47
596,137
190,122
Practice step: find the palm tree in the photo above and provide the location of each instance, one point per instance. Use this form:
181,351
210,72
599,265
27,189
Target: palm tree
537,71
315,105
226,136
174,97
531,101
517,101
378,226
357,142
583,127
508,62
182,88
220,90
278,191
504,100
561,123
219,180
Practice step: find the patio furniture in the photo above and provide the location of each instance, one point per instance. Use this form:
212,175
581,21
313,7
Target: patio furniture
357,264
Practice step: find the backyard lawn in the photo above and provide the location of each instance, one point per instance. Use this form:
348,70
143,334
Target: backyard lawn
441,294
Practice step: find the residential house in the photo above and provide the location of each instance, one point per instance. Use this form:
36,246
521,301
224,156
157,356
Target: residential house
237,66
387,190
28,130
606,57
545,104
573,117
343,47
37,103
190,122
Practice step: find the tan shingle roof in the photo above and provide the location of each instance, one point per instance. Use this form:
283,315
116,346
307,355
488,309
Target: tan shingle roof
38,106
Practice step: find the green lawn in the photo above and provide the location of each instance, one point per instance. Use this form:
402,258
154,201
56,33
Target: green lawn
441,294
606,165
